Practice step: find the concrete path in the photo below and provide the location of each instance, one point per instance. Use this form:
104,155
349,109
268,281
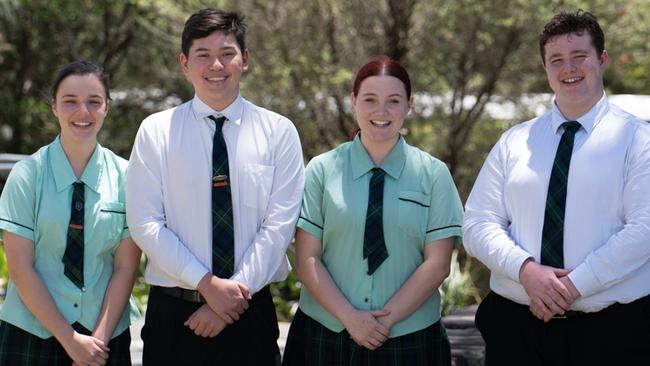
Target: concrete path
136,342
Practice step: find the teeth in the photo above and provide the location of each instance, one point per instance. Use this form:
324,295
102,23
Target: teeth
572,80
380,123
217,78
81,124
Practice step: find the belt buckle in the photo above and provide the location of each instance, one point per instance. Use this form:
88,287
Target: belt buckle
560,317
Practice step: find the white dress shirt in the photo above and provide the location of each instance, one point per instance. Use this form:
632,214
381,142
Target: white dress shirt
169,192
607,218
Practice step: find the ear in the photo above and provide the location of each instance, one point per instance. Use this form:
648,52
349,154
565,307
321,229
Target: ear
411,102
182,60
353,99
244,57
53,107
604,57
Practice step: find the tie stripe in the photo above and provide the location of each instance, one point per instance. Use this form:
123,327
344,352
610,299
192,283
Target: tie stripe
552,253
374,246
223,239
73,257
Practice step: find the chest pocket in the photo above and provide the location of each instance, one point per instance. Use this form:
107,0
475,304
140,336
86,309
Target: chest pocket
413,212
111,223
256,185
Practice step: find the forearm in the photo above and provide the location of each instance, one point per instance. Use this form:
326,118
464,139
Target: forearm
37,299
422,283
321,286
115,301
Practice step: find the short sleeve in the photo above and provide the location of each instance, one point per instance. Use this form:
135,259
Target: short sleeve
311,214
17,204
446,210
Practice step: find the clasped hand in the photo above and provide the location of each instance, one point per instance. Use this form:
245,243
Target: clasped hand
550,290
365,329
227,298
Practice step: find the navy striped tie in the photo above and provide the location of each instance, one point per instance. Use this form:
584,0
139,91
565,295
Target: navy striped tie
73,257
374,246
223,239
553,231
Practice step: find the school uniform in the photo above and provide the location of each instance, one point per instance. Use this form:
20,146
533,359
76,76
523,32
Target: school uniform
35,204
420,205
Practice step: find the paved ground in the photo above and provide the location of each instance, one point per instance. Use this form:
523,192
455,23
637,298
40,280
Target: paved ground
136,342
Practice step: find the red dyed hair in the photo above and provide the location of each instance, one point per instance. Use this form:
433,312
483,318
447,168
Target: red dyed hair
382,66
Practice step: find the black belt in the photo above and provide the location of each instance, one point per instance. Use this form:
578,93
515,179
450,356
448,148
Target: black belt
180,293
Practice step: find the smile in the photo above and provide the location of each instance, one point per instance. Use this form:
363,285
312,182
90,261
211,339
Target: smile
572,80
81,124
379,123
216,79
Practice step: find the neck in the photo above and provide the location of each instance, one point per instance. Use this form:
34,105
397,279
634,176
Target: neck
572,111
78,154
378,151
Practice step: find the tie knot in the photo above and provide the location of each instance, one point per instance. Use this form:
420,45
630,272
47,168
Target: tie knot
571,126
218,120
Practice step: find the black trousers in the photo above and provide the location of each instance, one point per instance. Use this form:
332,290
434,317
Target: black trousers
616,335
252,340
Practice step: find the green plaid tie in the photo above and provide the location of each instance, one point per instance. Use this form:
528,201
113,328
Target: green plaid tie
223,239
374,246
73,258
553,231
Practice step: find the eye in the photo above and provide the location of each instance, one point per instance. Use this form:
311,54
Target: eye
394,101
96,102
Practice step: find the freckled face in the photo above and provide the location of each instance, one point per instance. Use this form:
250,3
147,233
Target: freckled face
380,108
80,105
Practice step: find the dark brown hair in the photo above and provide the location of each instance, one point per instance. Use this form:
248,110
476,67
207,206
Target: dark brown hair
578,22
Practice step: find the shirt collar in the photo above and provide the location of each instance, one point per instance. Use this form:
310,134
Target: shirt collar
233,112
63,173
362,163
588,120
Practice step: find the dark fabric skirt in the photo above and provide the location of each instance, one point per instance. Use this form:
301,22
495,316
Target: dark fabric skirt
311,344
21,348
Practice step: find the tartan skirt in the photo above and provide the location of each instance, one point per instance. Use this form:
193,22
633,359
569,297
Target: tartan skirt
311,344
21,348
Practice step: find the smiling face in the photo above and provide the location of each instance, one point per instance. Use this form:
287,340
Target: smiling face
575,72
80,104
214,65
380,108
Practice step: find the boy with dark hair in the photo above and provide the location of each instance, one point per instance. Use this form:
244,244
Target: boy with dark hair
214,192
560,214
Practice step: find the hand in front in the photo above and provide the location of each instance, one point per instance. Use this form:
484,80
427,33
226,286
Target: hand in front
364,328
205,322
548,295
227,298
86,350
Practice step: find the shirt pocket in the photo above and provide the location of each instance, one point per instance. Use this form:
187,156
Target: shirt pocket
257,185
413,213
111,223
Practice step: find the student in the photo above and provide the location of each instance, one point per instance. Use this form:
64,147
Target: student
560,214
375,236
71,262
214,192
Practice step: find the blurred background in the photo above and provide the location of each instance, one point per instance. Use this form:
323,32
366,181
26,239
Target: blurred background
474,64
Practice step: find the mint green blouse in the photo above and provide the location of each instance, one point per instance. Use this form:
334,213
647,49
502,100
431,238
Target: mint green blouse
421,205
35,204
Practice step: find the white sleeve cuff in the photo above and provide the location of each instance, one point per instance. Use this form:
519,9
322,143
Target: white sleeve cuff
514,262
585,280
193,273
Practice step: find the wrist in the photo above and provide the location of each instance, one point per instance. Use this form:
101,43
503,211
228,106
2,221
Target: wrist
204,283
526,263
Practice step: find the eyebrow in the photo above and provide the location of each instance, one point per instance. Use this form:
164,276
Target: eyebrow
205,49
75,95
573,52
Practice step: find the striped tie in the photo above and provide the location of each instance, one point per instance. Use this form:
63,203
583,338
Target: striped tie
73,258
553,232
223,239
374,246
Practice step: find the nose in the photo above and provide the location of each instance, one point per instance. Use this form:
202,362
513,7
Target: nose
216,64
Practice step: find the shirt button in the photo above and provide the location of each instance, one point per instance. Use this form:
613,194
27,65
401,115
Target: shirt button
76,305
366,299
